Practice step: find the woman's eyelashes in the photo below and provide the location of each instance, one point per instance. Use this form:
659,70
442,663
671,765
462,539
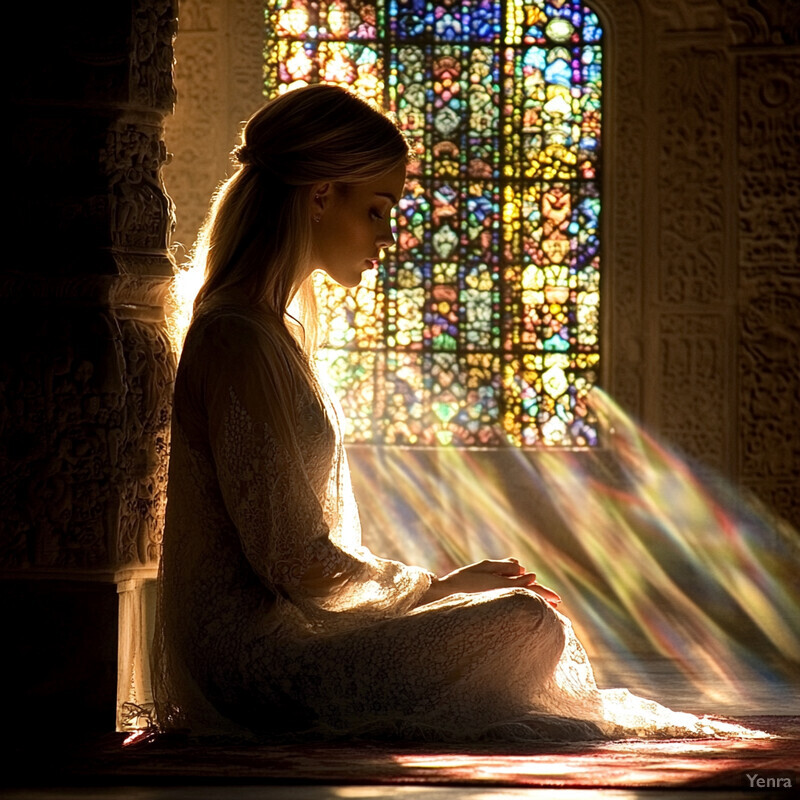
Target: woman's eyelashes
376,215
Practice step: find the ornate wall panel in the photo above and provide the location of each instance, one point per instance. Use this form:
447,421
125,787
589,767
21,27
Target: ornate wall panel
690,395
693,371
193,134
245,84
140,211
763,22
86,403
63,395
687,15
769,173
149,373
769,277
153,28
623,186
691,148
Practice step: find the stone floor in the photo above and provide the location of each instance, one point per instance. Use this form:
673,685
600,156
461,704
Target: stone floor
656,678
374,793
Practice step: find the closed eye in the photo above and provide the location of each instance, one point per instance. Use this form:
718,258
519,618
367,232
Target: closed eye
376,215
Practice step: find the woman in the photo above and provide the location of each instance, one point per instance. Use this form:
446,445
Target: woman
272,617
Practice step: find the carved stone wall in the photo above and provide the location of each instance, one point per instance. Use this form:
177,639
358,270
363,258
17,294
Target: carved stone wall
768,258
219,78
87,368
86,399
625,155
691,387
723,342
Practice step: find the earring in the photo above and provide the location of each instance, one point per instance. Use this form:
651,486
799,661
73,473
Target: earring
317,218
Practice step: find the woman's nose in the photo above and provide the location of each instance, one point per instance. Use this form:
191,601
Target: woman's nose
387,238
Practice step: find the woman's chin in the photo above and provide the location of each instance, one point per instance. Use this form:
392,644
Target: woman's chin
345,281
351,281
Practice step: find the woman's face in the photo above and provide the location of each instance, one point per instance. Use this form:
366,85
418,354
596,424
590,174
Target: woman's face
354,224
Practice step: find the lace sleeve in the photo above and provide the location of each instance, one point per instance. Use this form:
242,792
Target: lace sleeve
279,517
278,479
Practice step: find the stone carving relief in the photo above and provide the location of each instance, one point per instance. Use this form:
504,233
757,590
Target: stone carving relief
692,97
763,22
141,211
154,27
85,458
213,102
692,372
769,286
247,22
86,383
688,15
62,390
622,254
143,461
200,15
770,377
193,134
769,175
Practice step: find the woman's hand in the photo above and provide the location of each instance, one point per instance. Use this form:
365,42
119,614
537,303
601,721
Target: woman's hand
485,576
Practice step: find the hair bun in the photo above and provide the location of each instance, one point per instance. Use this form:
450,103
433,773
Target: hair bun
247,157
243,154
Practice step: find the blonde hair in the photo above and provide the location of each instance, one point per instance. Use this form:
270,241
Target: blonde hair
257,236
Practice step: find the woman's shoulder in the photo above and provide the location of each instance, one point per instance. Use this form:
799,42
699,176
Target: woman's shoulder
237,336
235,325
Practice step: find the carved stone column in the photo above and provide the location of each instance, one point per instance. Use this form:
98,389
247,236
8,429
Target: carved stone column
86,367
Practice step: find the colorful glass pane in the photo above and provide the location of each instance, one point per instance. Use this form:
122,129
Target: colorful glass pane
481,327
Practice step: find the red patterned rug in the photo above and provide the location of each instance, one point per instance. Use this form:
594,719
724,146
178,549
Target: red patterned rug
706,763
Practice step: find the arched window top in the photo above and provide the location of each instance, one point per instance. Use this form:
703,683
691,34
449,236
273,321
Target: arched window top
482,328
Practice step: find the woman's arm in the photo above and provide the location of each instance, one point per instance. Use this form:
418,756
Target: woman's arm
280,511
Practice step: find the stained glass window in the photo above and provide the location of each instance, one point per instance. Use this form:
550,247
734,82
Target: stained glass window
481,328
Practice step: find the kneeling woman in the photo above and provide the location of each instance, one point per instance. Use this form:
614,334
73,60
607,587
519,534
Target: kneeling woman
272,616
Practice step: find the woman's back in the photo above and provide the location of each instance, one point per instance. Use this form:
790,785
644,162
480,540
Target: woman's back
212,598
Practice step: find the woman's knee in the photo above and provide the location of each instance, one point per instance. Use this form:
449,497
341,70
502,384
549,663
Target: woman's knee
532,612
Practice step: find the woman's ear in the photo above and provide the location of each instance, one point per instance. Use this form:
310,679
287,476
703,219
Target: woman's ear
320,195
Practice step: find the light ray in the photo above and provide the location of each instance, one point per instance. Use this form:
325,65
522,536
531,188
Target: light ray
648,556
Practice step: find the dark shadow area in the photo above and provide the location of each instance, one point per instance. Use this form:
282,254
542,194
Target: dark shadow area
61,680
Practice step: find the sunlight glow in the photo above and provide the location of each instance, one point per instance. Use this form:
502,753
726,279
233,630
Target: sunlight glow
615,763
185,285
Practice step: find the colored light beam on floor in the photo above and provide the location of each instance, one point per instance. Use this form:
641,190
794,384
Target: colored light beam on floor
648,556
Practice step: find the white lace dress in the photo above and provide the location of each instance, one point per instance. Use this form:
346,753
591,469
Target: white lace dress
273,618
